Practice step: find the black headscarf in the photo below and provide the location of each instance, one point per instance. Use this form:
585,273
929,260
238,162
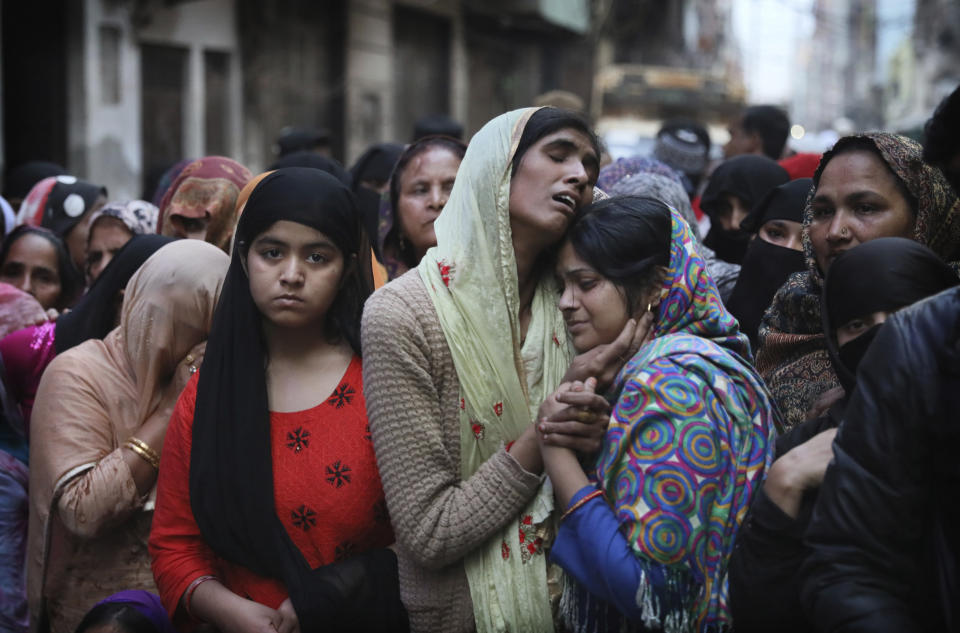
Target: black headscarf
316,161
376,164
21,179
884,274
784,202
437,125
749,178
231,468
69,200
299,139
767,266
95,314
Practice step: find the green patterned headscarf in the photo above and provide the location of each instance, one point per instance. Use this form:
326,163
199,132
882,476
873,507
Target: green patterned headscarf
471,276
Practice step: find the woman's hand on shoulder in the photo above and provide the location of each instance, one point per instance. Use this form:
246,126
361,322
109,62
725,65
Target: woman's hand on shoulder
574,417
604,362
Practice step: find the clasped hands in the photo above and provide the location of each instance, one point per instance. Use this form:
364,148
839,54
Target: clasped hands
575,416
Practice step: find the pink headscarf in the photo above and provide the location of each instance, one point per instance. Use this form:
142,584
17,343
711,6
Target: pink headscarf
18,310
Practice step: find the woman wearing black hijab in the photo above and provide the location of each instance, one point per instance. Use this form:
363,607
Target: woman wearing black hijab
270,511
735,186
371,179
774,253
863,286
316,161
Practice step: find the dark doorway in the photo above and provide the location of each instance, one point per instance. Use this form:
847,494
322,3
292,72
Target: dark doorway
422,67
163,70
34,53
292,53
216,82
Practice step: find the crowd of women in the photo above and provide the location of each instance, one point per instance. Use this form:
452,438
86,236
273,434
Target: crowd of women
496,386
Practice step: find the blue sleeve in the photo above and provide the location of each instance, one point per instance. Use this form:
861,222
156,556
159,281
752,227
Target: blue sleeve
590,547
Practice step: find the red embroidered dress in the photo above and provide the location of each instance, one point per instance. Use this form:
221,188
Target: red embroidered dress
326,488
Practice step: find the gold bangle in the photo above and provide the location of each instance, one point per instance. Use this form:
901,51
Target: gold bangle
576,506
144,451
145,447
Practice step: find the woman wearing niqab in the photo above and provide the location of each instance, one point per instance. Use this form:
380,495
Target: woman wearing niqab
881,276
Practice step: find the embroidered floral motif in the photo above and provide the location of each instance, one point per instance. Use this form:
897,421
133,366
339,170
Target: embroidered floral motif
446,270
504,550
304,518
338,474
530,543
498,409
463,404
556,340
298,439
342,395
367,435
479,430
344,551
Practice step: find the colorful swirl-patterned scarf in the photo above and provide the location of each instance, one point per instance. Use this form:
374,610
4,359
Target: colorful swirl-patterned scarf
690,439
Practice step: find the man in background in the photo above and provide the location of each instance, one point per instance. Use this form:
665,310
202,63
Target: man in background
762,130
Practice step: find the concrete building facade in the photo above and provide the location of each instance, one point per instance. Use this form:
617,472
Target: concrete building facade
130,86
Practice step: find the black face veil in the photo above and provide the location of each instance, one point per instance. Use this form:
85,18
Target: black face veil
881,275
749,178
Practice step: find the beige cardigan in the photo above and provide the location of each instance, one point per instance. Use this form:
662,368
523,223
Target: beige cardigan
413,399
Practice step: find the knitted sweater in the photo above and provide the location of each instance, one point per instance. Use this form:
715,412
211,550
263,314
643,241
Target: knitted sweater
413,399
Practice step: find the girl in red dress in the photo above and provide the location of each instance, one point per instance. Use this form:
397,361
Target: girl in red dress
270,513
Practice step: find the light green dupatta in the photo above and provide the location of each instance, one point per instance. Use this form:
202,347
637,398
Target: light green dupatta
471,276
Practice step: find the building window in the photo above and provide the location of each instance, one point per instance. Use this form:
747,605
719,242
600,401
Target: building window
110,64
216,77
163,72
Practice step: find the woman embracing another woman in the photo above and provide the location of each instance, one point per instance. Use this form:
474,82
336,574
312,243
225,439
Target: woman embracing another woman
462,353
646,534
